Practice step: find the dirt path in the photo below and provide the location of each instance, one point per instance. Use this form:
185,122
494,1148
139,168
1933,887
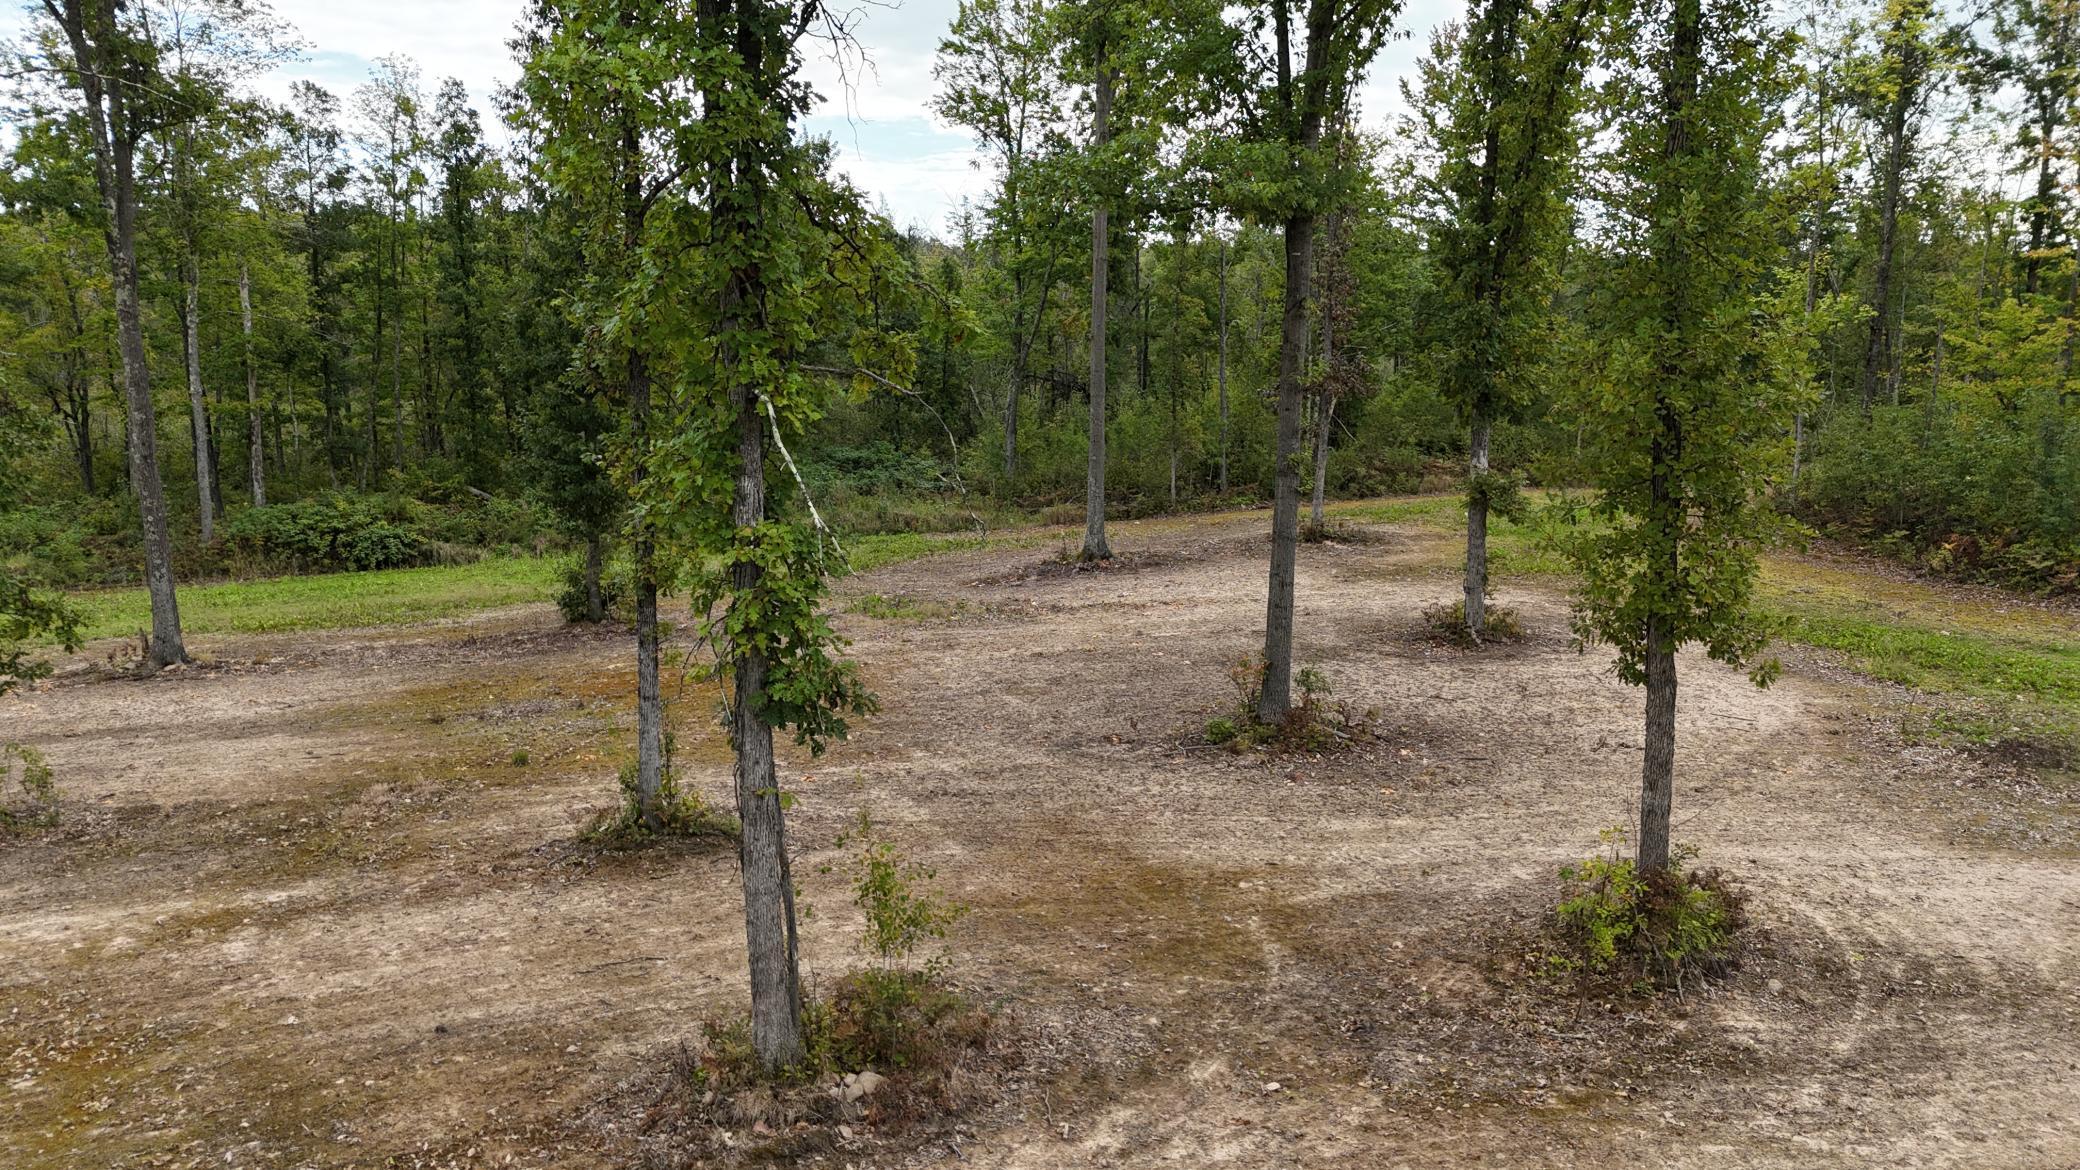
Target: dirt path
307,910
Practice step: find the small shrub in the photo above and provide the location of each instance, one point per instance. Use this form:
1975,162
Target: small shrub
902,913
681,813
23,771
1312,723
1331,531
334,531
570,594
1655,928
896,1018
1448,623
520,758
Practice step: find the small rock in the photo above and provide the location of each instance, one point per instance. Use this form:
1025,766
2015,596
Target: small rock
1272,1086
862,1084
1776,985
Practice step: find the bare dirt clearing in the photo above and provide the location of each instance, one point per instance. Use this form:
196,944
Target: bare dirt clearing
306,910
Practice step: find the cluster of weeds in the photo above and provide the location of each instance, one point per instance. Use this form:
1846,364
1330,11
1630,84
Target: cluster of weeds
28,790
1332,530
1649,929
1448,624
887,1046
681,813
1314,722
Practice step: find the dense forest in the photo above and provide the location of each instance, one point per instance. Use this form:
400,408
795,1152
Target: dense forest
356,313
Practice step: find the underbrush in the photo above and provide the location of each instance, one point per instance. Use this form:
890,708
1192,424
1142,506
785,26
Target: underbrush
682,814
28,790
87,542
1314,722
1333,530
1448,624
890,1048
1646,931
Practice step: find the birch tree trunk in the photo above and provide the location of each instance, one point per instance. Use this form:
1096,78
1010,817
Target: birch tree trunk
1325,417
1477,534
198,405
256,421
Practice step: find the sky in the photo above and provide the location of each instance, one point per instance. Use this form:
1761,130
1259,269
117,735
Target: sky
889,141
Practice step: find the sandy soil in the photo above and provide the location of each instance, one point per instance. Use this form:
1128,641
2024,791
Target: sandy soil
305,909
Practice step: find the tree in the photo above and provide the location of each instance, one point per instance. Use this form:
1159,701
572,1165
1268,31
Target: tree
1698,362
1267,161
112,62
719,254
1899,85
996,77
1498,102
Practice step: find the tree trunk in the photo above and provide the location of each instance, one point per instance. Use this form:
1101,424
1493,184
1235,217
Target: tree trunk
1325,417
1657,775
1276,696
649,693
1665,516
1094,546
256,428
1877,353
769,917
1018,381
198,406
1477,534
595,600
114,181
1223,376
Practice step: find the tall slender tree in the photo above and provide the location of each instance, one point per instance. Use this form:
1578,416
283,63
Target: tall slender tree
112,62
1498,100
1279,70
1700,364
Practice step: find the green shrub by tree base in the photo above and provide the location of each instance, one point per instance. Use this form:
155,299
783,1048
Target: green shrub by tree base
1448,623
1647,929
1314,723
682,815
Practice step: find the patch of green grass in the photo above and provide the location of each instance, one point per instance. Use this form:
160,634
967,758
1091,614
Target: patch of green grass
329,601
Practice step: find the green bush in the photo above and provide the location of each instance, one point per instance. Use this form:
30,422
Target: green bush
1659,926
328,532
614,590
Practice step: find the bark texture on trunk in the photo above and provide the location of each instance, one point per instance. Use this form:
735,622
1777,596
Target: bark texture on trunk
769,914
1657,773
1477,536
256,419
114,180
1094,546
649,691
198,405
1223,376
1877,353
1276,697
1325,417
